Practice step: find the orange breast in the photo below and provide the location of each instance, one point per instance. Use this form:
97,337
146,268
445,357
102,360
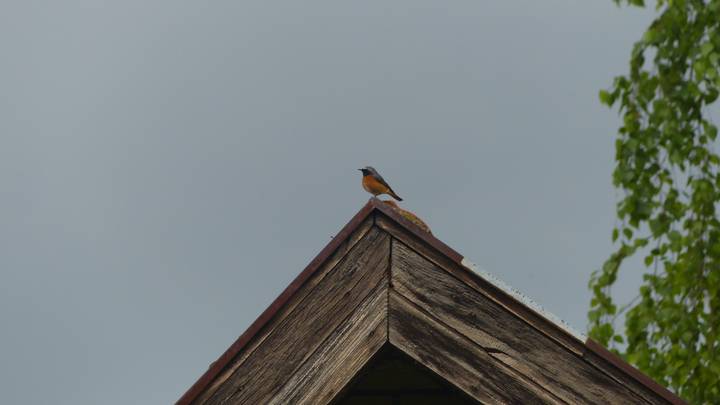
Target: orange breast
373,186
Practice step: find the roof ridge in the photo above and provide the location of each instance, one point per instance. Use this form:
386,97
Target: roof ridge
524,299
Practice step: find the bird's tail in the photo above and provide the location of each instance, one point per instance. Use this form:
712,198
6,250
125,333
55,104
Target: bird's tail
393,195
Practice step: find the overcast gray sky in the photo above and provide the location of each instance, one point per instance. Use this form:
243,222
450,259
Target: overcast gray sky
168,167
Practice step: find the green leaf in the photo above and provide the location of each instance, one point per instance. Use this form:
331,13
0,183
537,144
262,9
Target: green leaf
710,130
713,57
606,98
706,48
628,233
712,94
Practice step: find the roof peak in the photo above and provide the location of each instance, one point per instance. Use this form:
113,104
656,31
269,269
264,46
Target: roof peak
379,226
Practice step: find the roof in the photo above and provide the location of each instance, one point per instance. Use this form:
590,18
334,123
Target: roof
411,254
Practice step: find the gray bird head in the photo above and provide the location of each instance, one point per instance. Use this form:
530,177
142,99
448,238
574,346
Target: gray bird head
367,170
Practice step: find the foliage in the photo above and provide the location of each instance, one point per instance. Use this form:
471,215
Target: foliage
669,173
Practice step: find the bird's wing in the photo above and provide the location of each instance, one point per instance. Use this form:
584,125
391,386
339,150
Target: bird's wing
382,181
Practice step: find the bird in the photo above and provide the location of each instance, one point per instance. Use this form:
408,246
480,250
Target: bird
374,184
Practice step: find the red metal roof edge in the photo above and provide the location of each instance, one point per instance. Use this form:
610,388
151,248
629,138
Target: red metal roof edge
375,204
218,365
633,372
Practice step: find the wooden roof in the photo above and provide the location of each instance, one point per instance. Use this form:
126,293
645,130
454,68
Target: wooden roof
384,284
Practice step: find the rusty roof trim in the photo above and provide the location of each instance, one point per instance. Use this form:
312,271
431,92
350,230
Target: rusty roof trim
525,300
627,368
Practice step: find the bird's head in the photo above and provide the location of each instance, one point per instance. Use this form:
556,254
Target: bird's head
367,170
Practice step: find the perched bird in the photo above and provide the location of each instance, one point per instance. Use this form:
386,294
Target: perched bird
374,184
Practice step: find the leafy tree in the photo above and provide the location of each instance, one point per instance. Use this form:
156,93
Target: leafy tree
669,173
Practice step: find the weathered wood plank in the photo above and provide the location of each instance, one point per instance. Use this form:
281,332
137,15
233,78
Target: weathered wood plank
639,382
307,287
509,339
297,336
341,356
480,285
456,359
390,226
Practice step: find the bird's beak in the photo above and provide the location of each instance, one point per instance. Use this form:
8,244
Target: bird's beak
360,169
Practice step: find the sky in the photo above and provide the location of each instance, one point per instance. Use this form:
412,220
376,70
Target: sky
168,167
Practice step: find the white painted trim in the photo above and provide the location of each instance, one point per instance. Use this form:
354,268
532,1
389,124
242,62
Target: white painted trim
524,299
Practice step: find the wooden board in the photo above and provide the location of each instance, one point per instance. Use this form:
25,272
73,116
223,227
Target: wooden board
454,267
341,356
602,359
328,264
456,359
264,371
509,339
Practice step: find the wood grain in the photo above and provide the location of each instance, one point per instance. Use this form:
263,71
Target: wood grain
639,382
306,288
456,359
401,234
296,337
509,339
341,356
473,280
